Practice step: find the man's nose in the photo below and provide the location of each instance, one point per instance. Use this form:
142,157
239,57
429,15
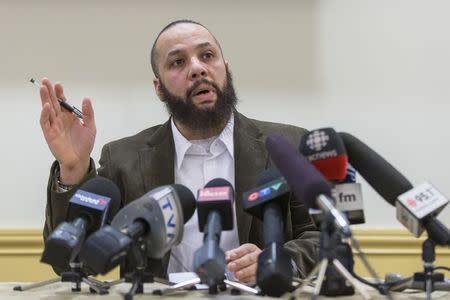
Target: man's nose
198,70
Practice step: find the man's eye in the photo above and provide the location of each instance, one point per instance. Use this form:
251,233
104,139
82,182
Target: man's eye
208,55
178,62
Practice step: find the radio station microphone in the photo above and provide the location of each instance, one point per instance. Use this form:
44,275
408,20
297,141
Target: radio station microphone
92,206
154,222
268,202
305,180
416,208
215,213
325,149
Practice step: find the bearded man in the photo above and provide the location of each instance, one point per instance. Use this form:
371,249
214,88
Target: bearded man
205,138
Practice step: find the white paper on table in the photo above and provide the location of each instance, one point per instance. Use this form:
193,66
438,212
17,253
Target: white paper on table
184,276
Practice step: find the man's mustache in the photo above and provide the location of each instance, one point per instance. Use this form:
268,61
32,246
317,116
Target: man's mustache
198,83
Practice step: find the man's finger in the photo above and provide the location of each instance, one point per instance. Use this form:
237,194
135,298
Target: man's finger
247,273
45,96
250,279
88,113
51,95
240,263
45,117
59,91
240,251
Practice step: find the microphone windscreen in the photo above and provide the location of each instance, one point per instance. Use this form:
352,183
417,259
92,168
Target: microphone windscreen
304,179
218,182
380,174
187,201
267,176
104,187
217,195
326,151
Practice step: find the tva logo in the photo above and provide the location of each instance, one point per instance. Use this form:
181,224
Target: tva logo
264,192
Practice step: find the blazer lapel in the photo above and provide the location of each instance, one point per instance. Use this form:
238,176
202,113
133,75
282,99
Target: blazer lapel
250,159
157,161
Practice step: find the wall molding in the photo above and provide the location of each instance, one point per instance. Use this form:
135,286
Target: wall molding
21,242
20,251
387,241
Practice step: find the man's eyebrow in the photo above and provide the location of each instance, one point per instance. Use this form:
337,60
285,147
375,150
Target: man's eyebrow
203,45
175,52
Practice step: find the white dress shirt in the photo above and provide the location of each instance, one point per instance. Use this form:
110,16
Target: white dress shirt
196,163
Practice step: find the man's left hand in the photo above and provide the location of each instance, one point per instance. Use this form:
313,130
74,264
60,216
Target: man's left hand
242,261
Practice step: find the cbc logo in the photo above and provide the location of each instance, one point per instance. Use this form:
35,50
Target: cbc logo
317,140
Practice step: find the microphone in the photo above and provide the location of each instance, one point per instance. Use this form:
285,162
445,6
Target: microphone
215,213
153,221
325,149
417,208
91,207
348,195
306,181
268,202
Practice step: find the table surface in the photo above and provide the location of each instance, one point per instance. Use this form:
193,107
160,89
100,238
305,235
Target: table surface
62,291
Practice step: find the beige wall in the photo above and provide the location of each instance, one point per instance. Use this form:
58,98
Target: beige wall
377,69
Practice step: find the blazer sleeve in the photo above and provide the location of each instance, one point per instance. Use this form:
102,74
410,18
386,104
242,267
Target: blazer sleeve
57,202
304,245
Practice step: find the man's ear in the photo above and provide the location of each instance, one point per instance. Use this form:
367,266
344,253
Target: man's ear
157,85
227,65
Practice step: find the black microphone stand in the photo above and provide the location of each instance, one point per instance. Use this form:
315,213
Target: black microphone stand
428,277
209,263
428,280
330,271
76,275
139,276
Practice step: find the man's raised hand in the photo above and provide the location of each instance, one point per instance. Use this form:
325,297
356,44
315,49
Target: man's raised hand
70,141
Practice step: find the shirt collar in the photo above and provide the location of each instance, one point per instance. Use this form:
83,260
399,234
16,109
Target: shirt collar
182,144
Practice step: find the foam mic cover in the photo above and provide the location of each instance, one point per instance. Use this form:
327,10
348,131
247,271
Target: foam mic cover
304,179
187,201
162,213
271,186
97,200
217,195
325,150
380,174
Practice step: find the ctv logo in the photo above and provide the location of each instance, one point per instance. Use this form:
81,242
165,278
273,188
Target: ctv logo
264,192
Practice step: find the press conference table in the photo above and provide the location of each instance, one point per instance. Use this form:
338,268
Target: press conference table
62,291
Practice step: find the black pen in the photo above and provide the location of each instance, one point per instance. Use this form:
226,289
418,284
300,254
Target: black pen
63,103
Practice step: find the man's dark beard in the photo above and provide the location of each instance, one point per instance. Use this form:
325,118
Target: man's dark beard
205,120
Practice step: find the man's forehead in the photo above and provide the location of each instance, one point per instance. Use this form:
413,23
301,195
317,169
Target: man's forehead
184,35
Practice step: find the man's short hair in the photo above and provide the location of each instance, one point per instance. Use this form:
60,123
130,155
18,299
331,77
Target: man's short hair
171,24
